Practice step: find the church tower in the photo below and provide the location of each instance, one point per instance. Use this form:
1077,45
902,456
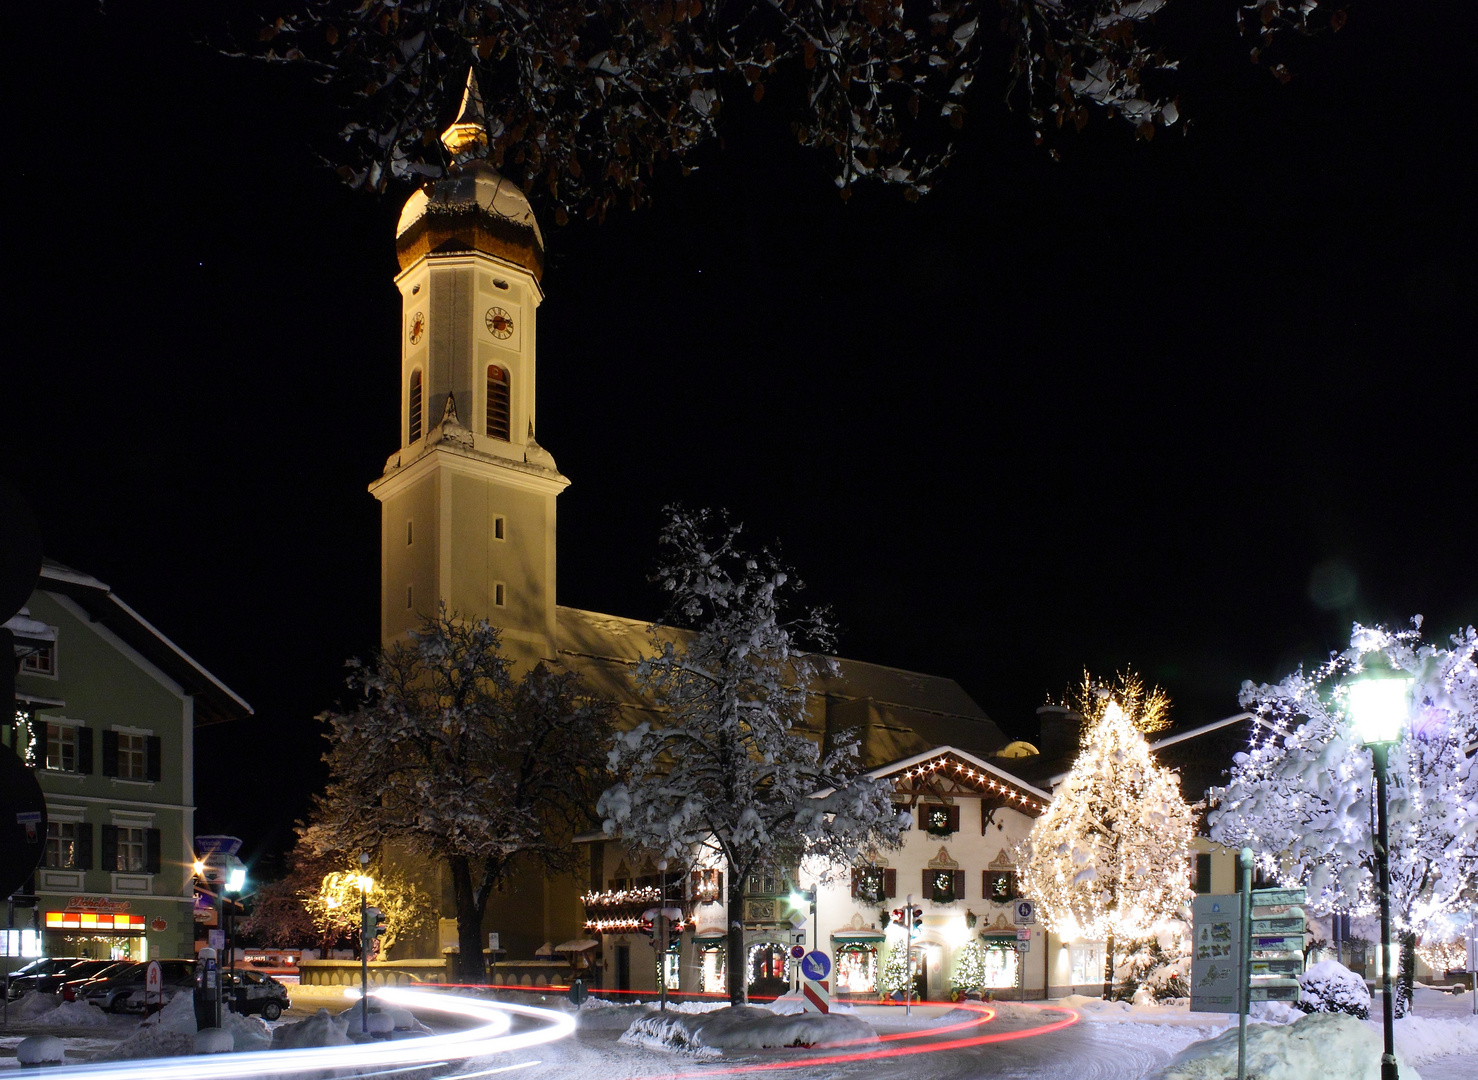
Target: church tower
467,504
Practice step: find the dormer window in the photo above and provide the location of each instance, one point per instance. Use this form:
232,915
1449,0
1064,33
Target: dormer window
497,426
415,406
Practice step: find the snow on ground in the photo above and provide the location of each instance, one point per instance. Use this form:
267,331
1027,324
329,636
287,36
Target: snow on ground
1333,1045
743,1027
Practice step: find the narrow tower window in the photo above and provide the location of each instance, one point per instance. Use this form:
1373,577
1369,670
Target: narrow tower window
410,534
498,594
415,406
499,528
497,403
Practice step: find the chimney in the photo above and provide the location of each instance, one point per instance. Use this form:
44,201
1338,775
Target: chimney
1061,730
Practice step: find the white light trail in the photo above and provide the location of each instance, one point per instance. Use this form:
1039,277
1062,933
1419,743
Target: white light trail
490,1036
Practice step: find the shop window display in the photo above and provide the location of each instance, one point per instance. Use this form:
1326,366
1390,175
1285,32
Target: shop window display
857,969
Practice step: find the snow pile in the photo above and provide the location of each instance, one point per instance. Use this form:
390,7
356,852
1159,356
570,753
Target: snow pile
743,1027
32,1004
1321,1046
76,1014
249,1032
178,1015
1329,986
41,1050
794,1002
322,1029
1419,1039
153,1041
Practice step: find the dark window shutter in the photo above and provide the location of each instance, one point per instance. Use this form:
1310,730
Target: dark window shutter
928,893
1203,873
110,753
84,846
985,889
110,838
856,877
152,757
959,882
84,750
151,851
954,818
890,883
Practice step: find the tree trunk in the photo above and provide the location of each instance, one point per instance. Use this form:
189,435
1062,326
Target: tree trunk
1108,969
470,966
738,967
1406,974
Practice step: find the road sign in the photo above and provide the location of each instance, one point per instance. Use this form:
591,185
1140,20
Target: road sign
1278,925
797,951
815,966
1216,945
815,993
217,939
153,978
1025,913
1023,945
1278,897
578,993
1278,944
226,845
1023,934
1274,990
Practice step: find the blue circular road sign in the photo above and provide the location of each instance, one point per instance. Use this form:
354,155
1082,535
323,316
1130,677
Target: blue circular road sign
815,966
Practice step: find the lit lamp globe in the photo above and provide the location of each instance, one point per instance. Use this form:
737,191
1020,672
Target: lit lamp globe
236,879
1378,707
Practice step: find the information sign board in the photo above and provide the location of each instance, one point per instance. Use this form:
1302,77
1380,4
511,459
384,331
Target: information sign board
1025,913
1023,945
1274,990
1278,897
1216,946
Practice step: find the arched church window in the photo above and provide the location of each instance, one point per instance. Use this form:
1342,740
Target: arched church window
497,403
415,406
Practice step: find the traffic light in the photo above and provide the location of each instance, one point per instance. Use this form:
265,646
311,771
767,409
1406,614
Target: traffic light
372,929
918,917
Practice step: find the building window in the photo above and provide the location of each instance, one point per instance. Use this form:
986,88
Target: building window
497,594
132,757
1087,962
857,969
61,748
410,533
941,820
874,884
1000,886
415,409
410,596
61,845
944,886
1203,873
706,886
42,661
497,427
767,885
499,528
132,850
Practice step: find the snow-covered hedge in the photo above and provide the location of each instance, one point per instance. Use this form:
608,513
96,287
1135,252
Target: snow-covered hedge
743,1027
1316,1047
1329,987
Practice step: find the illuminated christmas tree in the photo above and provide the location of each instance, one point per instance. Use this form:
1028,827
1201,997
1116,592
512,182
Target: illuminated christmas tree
969,972
894,976
1111,856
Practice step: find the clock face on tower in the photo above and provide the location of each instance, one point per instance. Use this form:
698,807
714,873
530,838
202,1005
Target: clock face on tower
418,327
500,323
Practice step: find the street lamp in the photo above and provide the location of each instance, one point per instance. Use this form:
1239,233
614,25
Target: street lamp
365,883
1378,707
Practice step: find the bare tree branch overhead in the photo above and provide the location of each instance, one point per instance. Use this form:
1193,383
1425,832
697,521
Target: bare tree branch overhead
586,99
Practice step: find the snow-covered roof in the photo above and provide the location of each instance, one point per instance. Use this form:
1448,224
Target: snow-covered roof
214,700
968,759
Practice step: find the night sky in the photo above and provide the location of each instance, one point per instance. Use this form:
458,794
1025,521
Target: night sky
1190,406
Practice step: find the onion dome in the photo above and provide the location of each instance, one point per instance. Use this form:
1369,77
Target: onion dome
473,207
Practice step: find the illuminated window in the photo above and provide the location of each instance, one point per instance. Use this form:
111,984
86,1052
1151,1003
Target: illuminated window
42,661
132,757
61,748
1000,886
61,845
415,406
131,850
497,427
1087,962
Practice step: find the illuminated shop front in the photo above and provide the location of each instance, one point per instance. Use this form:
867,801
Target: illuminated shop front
856,955
1001,961
711,967
769,969
116,935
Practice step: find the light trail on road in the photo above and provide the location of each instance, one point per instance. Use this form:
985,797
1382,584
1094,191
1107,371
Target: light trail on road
809,1061
490,1035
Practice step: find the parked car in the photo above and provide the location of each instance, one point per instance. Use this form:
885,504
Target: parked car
254,992
82,969
124,992
70,986
25,978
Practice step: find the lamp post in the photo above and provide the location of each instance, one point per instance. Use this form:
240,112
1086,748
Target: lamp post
365,883
662,934
1377,702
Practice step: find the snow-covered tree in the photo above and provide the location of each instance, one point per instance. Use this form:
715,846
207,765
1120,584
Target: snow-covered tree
1147,707
1110,858
1301,795
588,98
449,756
729,766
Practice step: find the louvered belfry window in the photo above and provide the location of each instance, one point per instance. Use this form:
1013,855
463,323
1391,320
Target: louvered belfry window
415,406
497,403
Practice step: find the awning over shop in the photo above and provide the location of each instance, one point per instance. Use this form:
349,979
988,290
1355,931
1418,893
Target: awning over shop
845,937
711,935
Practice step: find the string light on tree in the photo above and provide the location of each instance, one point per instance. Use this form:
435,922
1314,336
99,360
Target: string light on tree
1110,857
